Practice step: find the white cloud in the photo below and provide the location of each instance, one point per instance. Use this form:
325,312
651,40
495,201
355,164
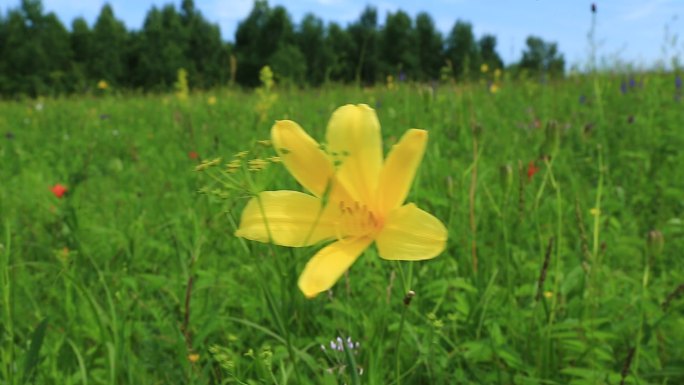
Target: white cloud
640,10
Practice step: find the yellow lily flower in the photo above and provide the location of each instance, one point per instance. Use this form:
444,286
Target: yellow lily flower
357,199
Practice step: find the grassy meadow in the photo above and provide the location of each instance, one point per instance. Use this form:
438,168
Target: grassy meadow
564,203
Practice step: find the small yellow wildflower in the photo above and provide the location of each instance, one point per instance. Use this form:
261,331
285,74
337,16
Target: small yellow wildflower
257,164
497,74
211,100
207,164
275,159
548,294
266,77
493,88
233,165
594,212
181,85
102,85
484,68
357,198
193,357
241,154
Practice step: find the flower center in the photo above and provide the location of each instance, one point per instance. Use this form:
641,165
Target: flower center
357,220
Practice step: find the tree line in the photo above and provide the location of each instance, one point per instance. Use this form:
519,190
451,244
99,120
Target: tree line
40,56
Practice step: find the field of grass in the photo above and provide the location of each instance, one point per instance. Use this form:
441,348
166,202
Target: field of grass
134,276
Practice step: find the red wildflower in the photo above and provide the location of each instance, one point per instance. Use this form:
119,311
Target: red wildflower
193,155
59,190
531,170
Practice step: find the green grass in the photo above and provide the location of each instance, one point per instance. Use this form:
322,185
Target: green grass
135,273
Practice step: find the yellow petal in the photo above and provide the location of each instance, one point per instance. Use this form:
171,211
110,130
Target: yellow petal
293,218
400,168
326,267
355,144
411,234
302,156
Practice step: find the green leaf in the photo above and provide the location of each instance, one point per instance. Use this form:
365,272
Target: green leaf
32,357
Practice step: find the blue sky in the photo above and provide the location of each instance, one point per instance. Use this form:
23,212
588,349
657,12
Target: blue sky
632,31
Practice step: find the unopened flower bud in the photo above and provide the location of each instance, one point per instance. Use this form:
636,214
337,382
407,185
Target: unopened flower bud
506,176
409,296
655,243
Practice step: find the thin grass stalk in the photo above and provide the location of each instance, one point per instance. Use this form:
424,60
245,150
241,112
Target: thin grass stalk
406,302
625,367
471,199
544,269
8,351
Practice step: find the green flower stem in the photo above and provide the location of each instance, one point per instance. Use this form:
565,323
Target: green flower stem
406,281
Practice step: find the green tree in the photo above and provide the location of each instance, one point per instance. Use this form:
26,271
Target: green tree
487,44
161,48
278,45
266,37
36,51
82,47
3,42
109,39
318,56
429,47
343,61
206,53
398,42
542,58
289,64
364,33
250,58
462,50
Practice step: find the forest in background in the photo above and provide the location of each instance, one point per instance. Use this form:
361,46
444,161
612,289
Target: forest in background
39,55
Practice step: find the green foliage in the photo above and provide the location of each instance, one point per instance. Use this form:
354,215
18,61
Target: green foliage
267,37
542,58
36,53
398,42
38,56
318,56
364,35
462,51
488,54
162,48
429,44
81,40
342,47
209,56
107,48
142,281
290,65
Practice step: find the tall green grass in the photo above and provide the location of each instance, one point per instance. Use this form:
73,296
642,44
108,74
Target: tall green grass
135,277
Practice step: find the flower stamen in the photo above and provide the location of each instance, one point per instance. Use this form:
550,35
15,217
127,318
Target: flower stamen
356,220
